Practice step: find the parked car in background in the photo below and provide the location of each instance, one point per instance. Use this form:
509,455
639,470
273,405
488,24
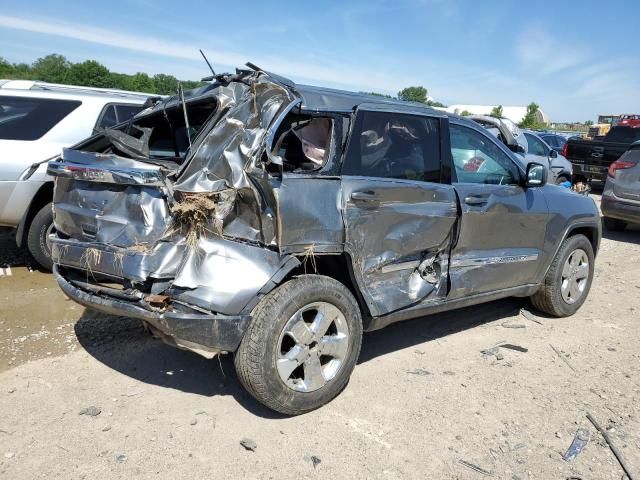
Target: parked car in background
37,120
527,145
554,140
560,168
591,158
629,120
297,217
620,202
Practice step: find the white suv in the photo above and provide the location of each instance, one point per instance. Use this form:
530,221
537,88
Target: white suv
37,120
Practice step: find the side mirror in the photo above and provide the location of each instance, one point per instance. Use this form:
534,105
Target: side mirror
536,175
553,154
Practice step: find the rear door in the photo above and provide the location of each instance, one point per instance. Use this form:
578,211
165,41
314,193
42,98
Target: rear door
503,225
399,210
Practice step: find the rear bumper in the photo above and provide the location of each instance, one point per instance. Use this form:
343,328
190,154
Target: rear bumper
590,172
620,209
208,332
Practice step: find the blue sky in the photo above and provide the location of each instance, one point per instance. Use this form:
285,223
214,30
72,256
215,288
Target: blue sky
575,58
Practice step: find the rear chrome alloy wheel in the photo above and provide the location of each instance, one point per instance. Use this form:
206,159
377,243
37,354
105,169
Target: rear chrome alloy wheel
575,276
312,347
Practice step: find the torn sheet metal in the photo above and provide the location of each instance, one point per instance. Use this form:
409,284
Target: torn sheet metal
226,157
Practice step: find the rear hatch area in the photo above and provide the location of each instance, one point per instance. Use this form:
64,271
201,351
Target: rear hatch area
173,213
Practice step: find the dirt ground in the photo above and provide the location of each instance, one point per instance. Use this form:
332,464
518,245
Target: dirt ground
423,402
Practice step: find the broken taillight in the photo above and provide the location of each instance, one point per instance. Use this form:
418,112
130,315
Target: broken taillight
619,165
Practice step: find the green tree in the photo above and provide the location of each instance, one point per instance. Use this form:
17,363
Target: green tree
497,112
141,82
588,123
413,94
6,69
530,119
465,113
53,68
90,74
165,84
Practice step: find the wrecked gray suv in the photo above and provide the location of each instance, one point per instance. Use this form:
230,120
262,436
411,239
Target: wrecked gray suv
280,221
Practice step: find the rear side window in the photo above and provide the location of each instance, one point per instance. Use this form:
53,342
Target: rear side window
115,114
394,145
31,118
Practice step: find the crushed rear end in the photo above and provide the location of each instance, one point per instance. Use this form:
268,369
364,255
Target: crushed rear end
172,219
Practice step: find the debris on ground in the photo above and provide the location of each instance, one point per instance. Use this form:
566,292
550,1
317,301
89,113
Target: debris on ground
249,444
475,468
315,461
194,422
529,316
121,458
613,448
488,352
90,411
419,371
580,441
513,325
562,357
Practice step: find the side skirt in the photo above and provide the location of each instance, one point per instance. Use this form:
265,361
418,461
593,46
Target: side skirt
376,323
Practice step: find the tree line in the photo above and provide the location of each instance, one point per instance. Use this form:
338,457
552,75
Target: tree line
56,68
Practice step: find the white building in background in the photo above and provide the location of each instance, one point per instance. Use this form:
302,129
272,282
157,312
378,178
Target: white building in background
515,114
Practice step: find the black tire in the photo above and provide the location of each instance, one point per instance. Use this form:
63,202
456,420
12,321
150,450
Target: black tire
614,224
561,179
255,359
37,237
549,297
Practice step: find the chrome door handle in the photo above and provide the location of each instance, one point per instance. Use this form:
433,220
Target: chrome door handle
476,200
364,196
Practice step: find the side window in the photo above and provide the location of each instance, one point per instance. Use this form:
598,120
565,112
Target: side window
115,114
108,117
24,118
536,147
125,112
478,160
393,145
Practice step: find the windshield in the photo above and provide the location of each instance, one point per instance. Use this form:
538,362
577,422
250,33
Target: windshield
623,135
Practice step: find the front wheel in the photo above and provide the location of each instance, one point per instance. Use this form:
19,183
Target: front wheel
568,280
301,345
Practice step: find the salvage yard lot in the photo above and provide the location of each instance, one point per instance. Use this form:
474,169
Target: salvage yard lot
422,399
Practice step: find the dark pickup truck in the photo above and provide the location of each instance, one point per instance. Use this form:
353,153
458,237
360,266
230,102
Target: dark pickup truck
591,158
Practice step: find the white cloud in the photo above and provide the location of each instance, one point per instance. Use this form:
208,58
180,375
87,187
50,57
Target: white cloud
334,72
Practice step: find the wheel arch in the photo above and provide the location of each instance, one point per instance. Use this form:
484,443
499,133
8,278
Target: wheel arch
336,266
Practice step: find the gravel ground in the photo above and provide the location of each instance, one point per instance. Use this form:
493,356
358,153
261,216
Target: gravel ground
90,396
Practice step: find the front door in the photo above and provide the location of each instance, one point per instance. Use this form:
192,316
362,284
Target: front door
399,218
502,228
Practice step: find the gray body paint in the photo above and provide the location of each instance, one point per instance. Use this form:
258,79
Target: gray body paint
411,247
